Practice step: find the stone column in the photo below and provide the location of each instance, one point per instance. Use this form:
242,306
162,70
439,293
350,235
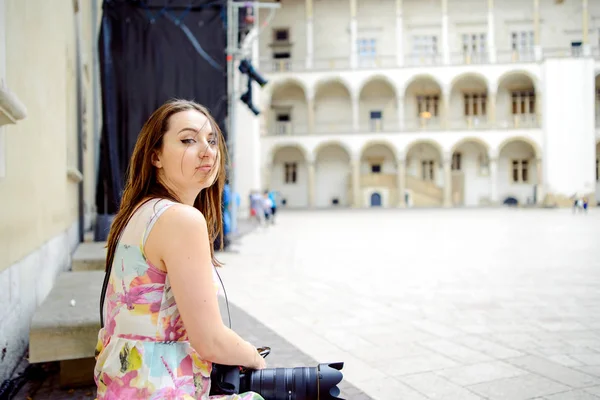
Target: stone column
538,108
445,108
356,203
267,175
310,110
491,108
540,182
353,35
355,114
491,33
494,180
309,34
587,50
401,181
537,48
310,165
399,34
400,112
448,180
445,44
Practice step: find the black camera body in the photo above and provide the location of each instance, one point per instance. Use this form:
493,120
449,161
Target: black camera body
298,383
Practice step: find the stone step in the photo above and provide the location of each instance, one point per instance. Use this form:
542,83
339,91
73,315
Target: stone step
89,256
65,326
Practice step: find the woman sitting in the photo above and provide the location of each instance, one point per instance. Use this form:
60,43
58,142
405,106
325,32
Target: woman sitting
163,329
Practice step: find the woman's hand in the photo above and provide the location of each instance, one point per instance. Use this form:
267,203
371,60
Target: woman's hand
259,362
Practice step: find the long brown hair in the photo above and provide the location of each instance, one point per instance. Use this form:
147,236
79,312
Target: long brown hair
142,183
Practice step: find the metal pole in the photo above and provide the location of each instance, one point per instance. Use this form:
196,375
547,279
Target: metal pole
232,46
233,53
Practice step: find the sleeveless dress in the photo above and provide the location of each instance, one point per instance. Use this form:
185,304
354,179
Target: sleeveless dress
143,350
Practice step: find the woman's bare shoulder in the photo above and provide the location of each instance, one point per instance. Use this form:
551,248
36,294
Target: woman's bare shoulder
181,219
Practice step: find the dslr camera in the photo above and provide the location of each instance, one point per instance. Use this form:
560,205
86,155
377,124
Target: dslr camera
298,383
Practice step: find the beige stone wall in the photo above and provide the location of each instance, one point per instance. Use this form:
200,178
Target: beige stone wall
38,194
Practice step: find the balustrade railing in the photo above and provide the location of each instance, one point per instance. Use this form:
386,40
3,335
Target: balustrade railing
522,121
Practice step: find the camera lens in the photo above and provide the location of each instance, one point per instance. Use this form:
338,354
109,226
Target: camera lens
300,383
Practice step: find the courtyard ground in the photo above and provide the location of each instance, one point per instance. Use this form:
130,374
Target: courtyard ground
433,304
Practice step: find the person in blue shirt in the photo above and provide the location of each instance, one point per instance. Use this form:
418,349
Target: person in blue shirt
273,197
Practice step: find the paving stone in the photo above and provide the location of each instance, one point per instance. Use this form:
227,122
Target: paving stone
518,388
488,347
572,395
482,372
554,371
415,364
436,387
456,352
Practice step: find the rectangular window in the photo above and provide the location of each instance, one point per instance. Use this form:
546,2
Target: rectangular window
282,55
376,121
291,172
281,35
424,45
283,123
576,49
456,161
367,52
522,44
376,168
475,104
520,171
522,40
427,170
523,102
474,43
428,106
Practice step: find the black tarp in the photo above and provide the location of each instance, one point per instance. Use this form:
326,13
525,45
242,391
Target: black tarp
151,51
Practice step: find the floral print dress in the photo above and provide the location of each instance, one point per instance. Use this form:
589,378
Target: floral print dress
143,351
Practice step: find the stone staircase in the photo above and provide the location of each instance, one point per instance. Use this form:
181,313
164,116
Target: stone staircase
424,193
65,326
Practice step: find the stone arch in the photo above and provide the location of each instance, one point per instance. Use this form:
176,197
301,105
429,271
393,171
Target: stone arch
378,77
413,79
469,74
288,109
517,72
425,177
517,99
289,174
323,81
377,104
468,100
518,170
473,139
333,106
328,143
289,145
438,147
423,102
276,84
470,166
332,174
379,142
535,146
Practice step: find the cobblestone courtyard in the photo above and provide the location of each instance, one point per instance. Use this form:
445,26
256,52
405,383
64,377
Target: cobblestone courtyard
433,304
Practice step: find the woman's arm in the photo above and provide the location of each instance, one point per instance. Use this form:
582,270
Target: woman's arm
180,240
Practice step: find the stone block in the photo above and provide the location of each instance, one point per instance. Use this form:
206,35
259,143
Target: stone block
90,256
77,373
66,330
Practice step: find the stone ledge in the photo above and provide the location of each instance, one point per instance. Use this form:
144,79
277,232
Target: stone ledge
60,331
90,256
